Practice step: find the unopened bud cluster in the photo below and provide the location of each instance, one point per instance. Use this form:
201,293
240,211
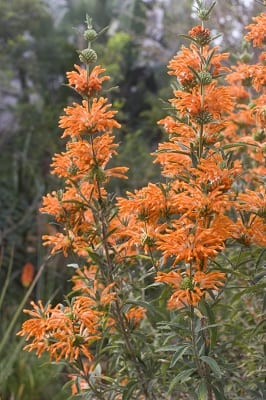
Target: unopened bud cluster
88,55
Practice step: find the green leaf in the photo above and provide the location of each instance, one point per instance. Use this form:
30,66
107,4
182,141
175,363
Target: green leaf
219,392
207,310
251,289
180,351
127,395
213,365
149,307
260,328
180,378
202,391
238,144
189,38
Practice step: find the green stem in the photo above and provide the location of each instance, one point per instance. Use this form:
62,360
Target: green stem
120,318
202,369
194,344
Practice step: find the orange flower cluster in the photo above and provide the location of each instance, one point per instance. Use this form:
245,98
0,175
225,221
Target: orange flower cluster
189,290
83,165
87,87
63,332
189,220
257,31
248,118
81,213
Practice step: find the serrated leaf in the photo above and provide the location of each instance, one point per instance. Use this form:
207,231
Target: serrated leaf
213,365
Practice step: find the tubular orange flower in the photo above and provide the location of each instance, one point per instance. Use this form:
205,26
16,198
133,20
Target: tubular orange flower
81,157
65,332
248,75
180,66
59,241
51,204
188,290
177,129
217,101
172,158
85,282
187,242
81,119
253,201
250,231
257,30
135,315
148,204
201,35
87,83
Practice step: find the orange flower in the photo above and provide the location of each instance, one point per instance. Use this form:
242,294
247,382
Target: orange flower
188,290
187,242
63,332
177,129
148,204
27,274
172,158
253,201
257,30
85,281
52,204
259,111
81,119
250,230
249,75
214,102
180,65
201,35
87,83
81,158
59,241
135,315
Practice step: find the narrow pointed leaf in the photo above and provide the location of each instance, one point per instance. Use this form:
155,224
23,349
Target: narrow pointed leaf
178,354
213,365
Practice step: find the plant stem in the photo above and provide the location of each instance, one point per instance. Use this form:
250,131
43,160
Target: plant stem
120,318
203,370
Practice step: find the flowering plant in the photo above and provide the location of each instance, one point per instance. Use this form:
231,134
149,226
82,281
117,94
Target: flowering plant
154,270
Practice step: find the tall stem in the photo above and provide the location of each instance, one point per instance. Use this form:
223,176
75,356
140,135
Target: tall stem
120,318
203,370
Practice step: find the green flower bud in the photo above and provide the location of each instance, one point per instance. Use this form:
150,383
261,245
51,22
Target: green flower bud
203,117
205,77
90,35
187,284
73,169
88,56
